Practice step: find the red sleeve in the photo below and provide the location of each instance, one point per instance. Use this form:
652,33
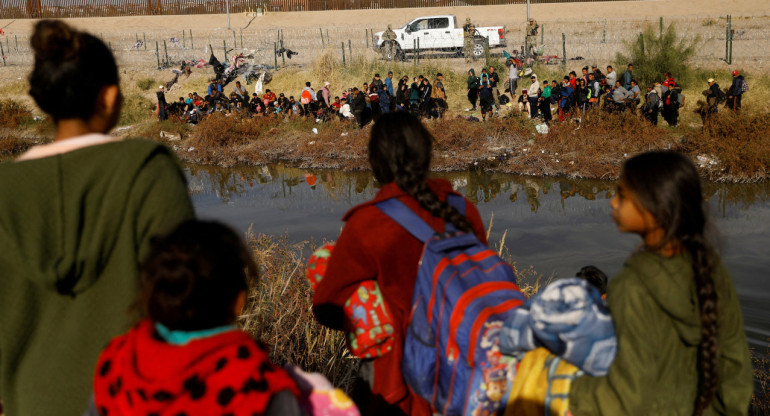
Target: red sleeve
349,265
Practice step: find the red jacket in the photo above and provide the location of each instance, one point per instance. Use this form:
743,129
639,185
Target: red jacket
372,246
228,373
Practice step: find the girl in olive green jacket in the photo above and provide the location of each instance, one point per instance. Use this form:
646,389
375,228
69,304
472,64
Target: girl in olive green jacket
681,345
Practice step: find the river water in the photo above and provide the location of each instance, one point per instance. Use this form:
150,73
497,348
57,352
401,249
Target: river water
555,225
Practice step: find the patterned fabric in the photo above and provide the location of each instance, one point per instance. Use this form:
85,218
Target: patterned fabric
140,374
320,397
542,385
368,324
570,319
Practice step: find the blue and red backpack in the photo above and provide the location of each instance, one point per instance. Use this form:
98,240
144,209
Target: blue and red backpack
463,293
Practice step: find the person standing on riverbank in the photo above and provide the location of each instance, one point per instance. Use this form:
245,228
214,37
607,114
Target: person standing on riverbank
400,157
469,35
682,349
737,89
78,215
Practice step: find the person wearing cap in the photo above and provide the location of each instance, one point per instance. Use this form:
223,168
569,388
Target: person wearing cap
161,94
531,38
388,44
377,81
469,33
736,90
325,95
533,95
712,95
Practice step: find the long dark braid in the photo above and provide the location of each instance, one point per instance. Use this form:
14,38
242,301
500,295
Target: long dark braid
400,151
668,186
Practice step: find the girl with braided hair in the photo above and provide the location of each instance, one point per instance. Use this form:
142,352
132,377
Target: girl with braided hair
682,349
374,247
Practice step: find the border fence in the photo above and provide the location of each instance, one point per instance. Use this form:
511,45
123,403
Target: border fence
34,9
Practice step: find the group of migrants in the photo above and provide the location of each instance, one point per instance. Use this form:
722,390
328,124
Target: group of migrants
113,291
421,97
592,89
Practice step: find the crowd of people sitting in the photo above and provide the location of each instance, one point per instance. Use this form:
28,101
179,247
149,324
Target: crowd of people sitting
568,97
421,97
574,95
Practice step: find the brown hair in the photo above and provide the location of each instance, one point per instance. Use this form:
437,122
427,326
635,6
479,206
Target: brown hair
668,186
400,150
71,67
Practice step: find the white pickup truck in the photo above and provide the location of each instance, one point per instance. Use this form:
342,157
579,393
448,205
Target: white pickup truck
440,33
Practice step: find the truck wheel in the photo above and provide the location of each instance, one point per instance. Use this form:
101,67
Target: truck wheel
478,48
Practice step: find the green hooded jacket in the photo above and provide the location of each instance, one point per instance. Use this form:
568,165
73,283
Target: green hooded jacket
654,305
73,229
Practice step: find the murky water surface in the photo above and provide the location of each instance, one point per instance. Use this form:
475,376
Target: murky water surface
555,225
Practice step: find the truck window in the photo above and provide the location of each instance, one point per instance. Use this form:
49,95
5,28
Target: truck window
419,25
440,23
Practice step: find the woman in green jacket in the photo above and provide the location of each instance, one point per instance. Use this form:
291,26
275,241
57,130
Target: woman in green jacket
77,217
682,349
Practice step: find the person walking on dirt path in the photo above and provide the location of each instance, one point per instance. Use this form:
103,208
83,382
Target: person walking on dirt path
388,44
469,33
737,90
531,38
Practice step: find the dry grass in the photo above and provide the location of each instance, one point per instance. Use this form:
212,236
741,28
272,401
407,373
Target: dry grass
14,114
279,312
760,400
739,142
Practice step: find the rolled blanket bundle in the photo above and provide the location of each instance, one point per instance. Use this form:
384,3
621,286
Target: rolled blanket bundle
570,319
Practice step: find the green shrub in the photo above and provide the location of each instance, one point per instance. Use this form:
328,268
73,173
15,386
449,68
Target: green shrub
656,53
145,84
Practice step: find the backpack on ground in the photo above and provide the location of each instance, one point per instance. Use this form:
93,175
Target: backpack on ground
463,293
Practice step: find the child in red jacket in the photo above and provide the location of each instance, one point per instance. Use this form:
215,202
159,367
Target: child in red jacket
374,247
187,356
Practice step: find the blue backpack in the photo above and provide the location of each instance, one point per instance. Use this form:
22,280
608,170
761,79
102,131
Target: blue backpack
463,293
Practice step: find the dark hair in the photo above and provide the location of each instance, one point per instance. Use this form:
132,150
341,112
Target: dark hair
595,277
192,277
400,150
667,185
307,84
71,67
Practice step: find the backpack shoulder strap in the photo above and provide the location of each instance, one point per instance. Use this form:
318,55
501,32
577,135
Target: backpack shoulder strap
405,217
458,202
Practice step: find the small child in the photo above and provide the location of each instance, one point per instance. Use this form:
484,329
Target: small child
682,349
486,101
595,277
187,356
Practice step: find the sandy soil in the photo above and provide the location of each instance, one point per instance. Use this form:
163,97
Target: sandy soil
510,15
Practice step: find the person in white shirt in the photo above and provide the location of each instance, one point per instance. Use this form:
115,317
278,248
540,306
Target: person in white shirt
532,95
611,76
